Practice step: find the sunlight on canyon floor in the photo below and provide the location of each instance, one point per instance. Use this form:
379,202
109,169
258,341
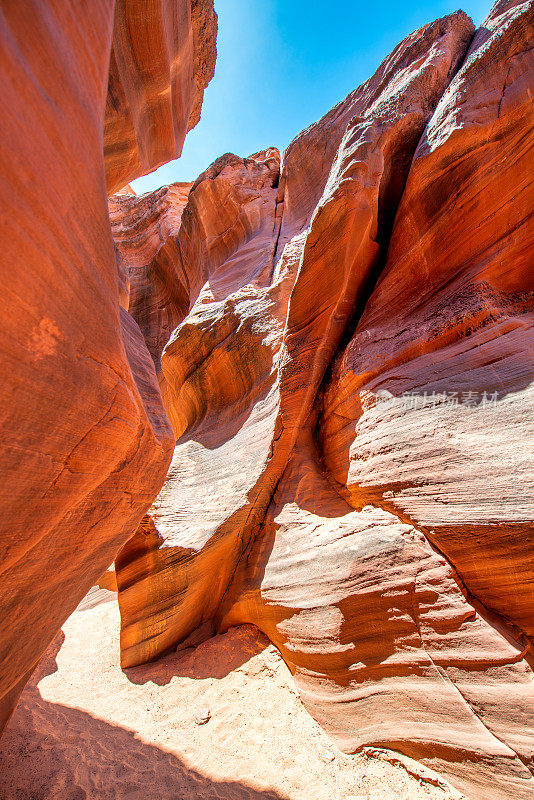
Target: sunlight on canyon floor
219,721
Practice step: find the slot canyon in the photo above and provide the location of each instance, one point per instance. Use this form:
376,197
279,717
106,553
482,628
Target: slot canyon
268,436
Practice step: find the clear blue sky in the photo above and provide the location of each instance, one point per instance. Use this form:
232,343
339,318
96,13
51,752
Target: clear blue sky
282,64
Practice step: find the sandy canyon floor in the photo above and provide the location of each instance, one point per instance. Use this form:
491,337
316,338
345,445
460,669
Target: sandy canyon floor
219,721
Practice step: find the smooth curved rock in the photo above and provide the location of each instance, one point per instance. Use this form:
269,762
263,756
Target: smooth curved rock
384,647
85,439
218,379
279,508
145,231
162,58
240,373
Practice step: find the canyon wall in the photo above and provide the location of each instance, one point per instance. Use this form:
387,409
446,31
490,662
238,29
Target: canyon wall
85,439
329,354
349,383
162,58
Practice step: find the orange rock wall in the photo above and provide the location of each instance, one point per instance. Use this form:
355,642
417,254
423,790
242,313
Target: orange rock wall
85,439
162,58
239,374
219,385
349,391
342,342
145,231
430,408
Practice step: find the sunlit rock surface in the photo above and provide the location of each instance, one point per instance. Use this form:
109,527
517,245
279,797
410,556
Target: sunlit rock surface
350,397
341,340
239,374
430,410
219,382
384,646
145,231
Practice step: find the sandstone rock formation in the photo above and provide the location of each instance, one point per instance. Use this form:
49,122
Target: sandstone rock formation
85,439
162,58
240,372
446,340
341,340
217,385
384,646
349,391
145,229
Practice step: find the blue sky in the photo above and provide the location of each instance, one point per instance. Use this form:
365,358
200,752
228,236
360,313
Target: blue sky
282,64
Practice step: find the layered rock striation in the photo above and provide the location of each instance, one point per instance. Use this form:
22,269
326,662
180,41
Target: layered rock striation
350,392
333,347
429,411
239,374
162,58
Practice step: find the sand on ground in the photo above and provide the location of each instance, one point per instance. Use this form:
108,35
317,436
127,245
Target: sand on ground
222,721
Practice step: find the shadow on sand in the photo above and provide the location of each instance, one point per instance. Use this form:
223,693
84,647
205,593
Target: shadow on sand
53,752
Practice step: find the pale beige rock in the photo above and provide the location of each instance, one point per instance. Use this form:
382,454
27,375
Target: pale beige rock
383,645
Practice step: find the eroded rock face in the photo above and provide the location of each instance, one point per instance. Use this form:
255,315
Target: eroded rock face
430,410
240,373
219,384
316,490
85,439
145,231
384,647
162,58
